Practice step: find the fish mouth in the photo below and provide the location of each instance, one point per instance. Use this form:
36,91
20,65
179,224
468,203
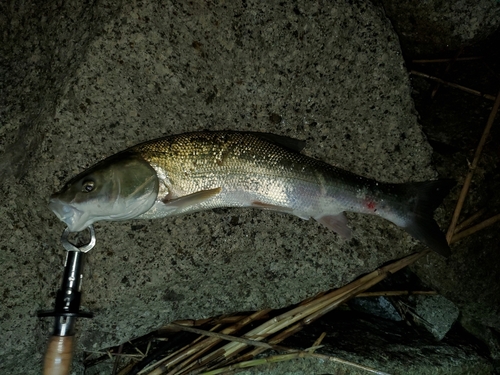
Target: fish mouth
68,214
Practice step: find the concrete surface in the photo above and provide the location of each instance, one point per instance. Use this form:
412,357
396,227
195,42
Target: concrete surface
83,82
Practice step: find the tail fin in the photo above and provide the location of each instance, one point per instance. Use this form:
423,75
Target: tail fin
423,198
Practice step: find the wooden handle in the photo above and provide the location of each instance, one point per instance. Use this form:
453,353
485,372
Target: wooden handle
58,356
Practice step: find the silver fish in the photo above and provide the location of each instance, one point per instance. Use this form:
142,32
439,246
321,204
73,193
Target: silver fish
203,170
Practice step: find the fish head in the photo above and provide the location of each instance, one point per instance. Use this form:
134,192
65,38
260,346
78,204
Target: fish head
120,187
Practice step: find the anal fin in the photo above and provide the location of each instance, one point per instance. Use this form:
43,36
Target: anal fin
337,223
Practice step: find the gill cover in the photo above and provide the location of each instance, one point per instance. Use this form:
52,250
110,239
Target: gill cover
120,187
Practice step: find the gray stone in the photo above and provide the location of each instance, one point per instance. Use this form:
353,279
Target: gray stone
385,346
438,314
470,277
86,82
434,26
378,306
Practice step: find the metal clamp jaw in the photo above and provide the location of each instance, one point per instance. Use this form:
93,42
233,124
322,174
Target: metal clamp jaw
85,248
68,298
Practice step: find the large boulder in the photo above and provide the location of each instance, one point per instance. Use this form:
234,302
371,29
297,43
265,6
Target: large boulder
427,27
84,83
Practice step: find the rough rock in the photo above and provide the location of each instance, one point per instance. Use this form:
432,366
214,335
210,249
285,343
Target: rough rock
426,27
86,82
378,306
385,346
438,314
470,277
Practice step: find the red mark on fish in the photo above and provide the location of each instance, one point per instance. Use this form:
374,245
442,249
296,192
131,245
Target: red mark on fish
371,205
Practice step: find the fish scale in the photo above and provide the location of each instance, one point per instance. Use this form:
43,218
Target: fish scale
248,168
190,172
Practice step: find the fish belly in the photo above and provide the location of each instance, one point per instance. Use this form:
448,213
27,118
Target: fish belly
303,197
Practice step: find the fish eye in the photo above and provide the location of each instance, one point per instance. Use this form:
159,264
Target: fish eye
88,186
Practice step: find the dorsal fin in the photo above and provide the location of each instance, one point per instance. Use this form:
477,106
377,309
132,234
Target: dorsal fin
290,143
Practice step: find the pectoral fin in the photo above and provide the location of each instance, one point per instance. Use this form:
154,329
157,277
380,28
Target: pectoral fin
337,223
182,203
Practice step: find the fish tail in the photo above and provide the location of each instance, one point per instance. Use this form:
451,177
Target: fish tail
422,199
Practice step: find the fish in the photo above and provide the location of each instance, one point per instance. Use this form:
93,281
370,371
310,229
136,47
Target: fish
191,172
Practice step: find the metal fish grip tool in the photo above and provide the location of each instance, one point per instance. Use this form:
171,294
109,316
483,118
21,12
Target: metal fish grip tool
67,308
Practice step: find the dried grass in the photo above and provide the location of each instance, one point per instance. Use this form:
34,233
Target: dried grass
208,355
